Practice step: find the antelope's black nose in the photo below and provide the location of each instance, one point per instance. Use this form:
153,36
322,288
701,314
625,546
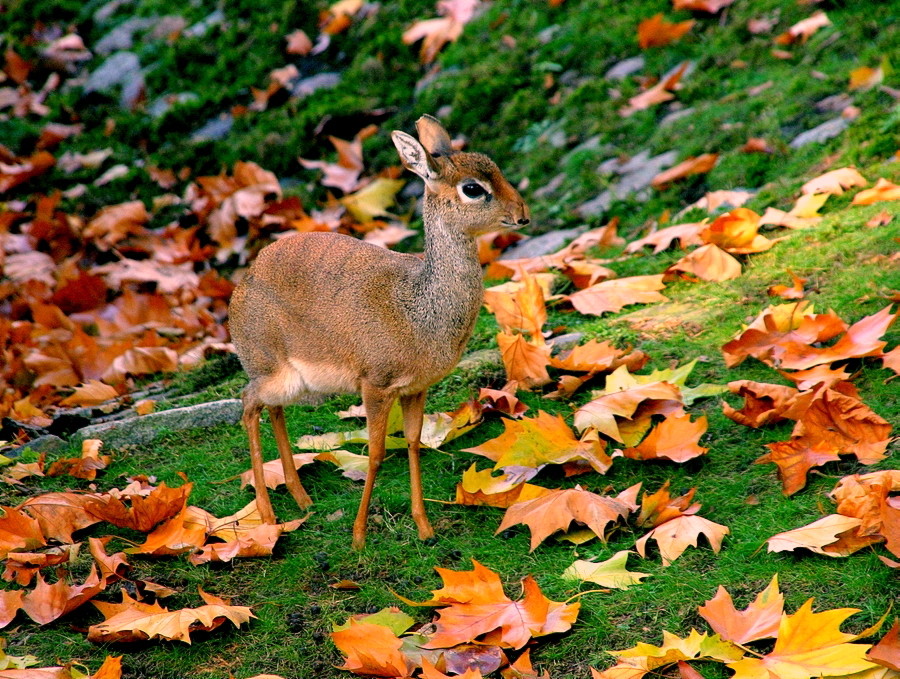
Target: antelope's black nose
522,221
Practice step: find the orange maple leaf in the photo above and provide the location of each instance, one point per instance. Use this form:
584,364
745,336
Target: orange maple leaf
835,181
794,291
711,6
657,32
737,232
143,510
883,190
614,295
699,165
685,234
554,511
659,93
45,603
760,620
676,535
675,438
435,33
763,403
659,507
709,263
525,362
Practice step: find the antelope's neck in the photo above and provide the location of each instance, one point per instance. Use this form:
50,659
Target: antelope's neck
448,289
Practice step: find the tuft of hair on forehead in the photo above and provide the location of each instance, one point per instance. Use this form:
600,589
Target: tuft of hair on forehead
475,165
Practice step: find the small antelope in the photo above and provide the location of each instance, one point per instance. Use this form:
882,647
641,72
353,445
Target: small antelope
323,313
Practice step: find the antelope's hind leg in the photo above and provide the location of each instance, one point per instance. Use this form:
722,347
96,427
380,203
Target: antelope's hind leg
413,411
250,419
291,478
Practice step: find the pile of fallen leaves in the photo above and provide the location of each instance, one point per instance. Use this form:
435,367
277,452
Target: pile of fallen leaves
38,538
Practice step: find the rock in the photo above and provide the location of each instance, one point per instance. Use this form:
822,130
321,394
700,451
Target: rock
550,187
478,361
306,86
122,36
544,244
42,444
676,115
565,342
162,105
120,69
200,29
214,129
140,430
835,103
820,133
625,68
636,174
110,8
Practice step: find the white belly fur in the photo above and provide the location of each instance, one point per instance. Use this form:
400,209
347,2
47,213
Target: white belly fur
297,378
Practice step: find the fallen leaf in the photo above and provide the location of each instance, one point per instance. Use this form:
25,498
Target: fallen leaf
803,30
760,620
525,362
613,296
657,32
685,234
143,511
501,401
60,514
883,190
763,403
794,291
482,488
594,356
699,165
273,471
659,507
556,510
709,263
676,535
45,603
675,438
737,232
711,6
835,181
18,532
136,621
536,442
91,393
865,78
298,43
634,663
887,651
610,573
435,33
84,467
815,536
518,306
372,649
809,645
659,93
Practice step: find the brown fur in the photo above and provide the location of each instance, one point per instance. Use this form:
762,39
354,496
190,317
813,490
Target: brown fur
321,313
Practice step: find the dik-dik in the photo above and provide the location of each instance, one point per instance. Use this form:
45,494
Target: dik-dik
323,313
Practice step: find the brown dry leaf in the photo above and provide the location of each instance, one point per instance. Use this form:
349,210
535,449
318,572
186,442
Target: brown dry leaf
675,438
794,458
887,651
84,467
659,93
112,568
657,32
711,6
835,181
182,533
820,374
803,30
760,620
116,223
532,443
634,663
699,165
60,514
685,234
676,535
775,217
757,145
525,362
883,218
45,603
518,306
815,536
556,510
91,393
136,621
20,170
659,507
372,650
794,291
891,359
257,541
763,403
146,510
709,263
737,232
501,401
435,33
21,567
612,296
594,356
883,190
140,361
623,401
344,174
441,428
476,609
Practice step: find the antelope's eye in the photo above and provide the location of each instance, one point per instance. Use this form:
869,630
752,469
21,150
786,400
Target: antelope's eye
473,190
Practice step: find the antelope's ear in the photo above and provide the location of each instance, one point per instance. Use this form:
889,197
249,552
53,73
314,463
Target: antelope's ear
414,156
433,136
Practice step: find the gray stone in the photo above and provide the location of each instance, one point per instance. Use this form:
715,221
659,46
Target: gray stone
120,69
306,86
162,105
110,8
636,174
550,187
689,69
478,361
544,244
42,444
676,115
820,133
835,103
143,429
214,129
200,29
595,206
565,342
625,68
122,36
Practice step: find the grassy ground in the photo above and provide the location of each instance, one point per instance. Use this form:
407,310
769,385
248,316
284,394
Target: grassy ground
497,97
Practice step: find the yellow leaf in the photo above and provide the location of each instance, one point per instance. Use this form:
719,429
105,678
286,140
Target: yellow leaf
610,573
372,200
